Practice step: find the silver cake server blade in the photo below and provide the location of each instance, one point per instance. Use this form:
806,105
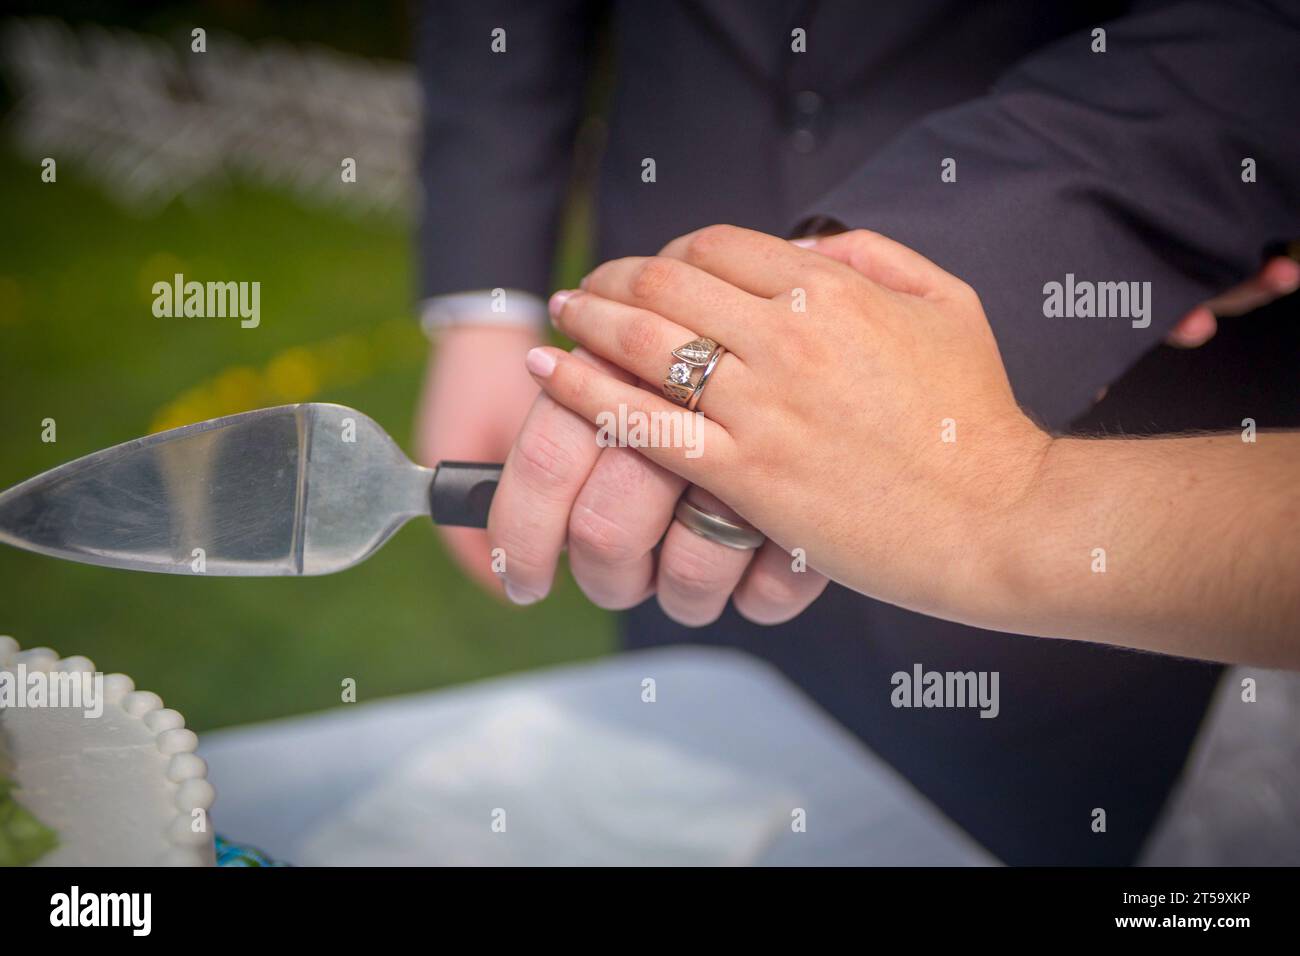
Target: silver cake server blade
299,489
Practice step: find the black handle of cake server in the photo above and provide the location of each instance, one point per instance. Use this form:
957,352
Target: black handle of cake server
461,493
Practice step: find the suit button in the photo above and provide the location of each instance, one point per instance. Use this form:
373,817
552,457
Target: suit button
808,121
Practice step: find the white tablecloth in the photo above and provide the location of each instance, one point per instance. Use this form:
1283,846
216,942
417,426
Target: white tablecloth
730,764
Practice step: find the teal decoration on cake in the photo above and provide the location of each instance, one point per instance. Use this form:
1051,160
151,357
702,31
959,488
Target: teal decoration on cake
232,854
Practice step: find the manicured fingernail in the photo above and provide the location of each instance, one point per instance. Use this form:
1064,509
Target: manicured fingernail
540,362
519,595
556,305
805,243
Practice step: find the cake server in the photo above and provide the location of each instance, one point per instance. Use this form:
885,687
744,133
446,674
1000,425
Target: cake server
299,489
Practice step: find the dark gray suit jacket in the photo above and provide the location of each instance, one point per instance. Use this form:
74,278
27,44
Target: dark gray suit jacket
1123,165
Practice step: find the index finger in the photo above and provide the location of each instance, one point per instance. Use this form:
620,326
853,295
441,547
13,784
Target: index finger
543,474
756,262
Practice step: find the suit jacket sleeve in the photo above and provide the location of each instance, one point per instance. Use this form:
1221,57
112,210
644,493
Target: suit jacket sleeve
1114,166
497,138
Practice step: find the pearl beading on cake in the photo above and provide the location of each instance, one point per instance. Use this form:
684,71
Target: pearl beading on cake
186,769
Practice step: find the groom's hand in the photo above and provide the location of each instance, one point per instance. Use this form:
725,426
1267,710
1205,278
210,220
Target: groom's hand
613,510
1278,277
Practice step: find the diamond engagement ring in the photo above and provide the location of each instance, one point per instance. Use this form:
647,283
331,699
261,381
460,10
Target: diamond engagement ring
682,385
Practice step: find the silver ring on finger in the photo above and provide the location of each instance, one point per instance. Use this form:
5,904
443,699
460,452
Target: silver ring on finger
733,534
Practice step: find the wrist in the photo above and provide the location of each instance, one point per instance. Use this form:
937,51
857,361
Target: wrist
1001,580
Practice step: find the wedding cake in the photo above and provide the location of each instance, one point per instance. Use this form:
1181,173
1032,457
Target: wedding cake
94,772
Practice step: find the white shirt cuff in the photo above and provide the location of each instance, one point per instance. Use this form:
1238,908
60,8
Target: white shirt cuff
500,307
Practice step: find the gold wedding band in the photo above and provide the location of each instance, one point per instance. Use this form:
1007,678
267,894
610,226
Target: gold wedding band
733,534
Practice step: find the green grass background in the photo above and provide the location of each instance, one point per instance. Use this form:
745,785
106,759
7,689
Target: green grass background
79,344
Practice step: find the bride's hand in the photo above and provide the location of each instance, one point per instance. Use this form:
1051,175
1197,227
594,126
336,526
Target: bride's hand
861,412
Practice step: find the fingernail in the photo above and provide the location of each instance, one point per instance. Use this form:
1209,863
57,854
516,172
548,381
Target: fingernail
519,595
540,362
556,305
806,243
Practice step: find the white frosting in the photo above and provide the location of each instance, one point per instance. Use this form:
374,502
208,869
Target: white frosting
37,659
120,789
179,741
116,687
163,719
76,665
141,702
186,766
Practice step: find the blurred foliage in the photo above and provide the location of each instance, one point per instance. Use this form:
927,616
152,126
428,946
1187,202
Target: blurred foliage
375,28
79,344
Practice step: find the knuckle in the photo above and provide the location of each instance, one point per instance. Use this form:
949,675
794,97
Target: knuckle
603,538
686,572
703,243
639,338
652,276
544,462
840,283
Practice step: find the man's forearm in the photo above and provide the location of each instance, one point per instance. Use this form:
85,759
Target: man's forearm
1186,546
